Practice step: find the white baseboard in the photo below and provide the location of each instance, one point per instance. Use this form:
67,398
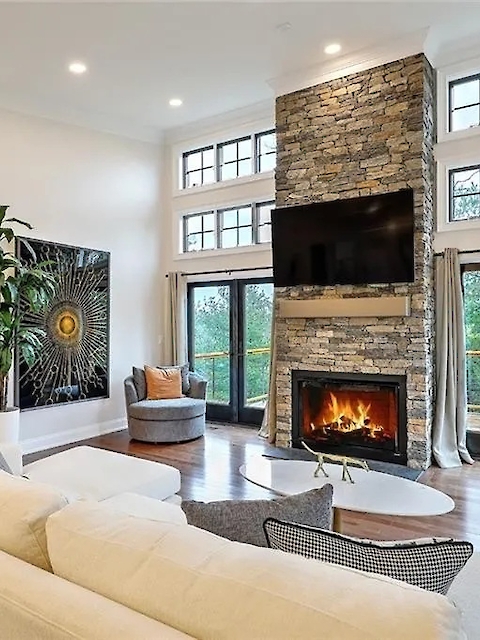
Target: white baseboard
31,445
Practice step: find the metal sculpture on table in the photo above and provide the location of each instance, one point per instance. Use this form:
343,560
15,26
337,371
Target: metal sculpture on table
74,359
330,457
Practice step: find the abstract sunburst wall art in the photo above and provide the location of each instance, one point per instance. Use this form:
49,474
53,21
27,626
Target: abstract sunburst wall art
74,360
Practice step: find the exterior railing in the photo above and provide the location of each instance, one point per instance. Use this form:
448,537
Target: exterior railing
215,367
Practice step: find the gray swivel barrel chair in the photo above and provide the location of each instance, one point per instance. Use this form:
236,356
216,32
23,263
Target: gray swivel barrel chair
174,420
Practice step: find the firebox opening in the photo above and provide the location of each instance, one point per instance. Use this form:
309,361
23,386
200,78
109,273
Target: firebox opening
354,414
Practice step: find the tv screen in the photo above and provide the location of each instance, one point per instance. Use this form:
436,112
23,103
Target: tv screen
367,240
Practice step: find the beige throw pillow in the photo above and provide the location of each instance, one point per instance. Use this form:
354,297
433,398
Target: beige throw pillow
163,384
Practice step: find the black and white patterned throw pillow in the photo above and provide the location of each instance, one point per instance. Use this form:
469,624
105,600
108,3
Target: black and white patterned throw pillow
429,563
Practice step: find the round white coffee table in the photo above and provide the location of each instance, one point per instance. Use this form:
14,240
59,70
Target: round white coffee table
372,492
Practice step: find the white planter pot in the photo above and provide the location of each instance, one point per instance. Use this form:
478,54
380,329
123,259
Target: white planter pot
10,425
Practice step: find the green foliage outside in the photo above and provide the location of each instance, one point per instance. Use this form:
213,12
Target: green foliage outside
465,185
471,285
212,336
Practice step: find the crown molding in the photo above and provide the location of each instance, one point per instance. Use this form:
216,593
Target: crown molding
260,112
340,67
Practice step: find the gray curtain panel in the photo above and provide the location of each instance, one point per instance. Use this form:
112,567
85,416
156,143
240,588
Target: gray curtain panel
269,423
175,349
449,427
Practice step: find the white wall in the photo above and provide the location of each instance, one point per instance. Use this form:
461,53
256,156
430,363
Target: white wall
99,191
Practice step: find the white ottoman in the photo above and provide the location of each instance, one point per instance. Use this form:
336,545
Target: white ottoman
87,473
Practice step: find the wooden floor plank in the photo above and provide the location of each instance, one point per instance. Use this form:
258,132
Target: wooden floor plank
209,468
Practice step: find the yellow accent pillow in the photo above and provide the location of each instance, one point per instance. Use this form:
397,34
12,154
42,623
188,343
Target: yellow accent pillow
163,384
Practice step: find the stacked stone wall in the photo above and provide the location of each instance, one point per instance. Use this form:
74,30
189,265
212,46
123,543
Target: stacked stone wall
370,132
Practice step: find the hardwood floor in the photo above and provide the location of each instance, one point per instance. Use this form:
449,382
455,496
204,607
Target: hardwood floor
209,468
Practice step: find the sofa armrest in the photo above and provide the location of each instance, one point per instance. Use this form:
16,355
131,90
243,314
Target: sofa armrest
13,456
198,386
131,395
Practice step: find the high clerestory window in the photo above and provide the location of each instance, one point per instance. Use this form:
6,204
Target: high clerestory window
240,226
464,186
464,103
228,160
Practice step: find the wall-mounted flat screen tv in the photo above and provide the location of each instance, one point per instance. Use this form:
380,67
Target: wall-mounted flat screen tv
367,240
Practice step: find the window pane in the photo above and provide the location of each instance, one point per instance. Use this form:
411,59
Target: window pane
228,152
209,222
194,179
465,93
465,118
194,161
194,224
244,167
245,216
245,149
228,171
194,242
230,219
244,236
208,158
265,213
209,240
258,305
211,337
208,176
268,163
467,181
466,207
265,233
229,238
267,143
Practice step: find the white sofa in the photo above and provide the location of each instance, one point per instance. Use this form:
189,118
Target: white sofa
107,574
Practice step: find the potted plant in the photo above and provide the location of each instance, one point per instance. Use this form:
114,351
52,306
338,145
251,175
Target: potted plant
26,281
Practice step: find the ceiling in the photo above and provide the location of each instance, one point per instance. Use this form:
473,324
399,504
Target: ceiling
216,56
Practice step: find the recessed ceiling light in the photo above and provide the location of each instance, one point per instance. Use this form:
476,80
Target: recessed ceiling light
77,68
332,48
175,102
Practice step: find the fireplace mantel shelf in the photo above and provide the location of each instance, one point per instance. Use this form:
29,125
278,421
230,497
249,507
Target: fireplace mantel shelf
385,306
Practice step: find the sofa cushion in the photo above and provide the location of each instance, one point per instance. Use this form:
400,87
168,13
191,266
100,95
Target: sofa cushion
173,409
24,509
143,507
163,384
36,605
430,563
242,520
210,587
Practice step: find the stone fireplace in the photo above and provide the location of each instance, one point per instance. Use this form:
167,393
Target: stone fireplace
370,132
354,414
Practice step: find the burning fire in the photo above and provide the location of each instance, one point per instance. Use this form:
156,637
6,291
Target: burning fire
347,417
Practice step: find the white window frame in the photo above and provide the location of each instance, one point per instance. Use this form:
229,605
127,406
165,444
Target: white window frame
443,195
454,149
179,239
446,75
255,174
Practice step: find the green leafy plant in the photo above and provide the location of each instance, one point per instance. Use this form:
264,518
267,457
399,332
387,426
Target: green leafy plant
20,281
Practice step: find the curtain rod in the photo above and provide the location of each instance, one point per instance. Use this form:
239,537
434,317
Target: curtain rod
440,253
205,273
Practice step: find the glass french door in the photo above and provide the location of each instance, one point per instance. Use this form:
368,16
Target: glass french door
229,328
